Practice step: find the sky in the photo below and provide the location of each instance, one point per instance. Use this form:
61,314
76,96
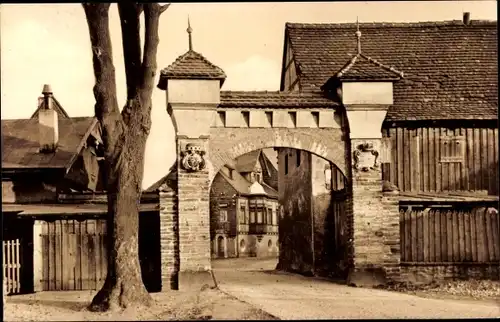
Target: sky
49,44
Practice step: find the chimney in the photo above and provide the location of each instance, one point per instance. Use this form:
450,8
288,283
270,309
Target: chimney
48,124
466,20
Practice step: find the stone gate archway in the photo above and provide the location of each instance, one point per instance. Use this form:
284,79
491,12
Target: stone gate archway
213,127
227,144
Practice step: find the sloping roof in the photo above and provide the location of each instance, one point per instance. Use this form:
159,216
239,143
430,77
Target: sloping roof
450,69
167,182
362,67
61,113
269,159
274,99
242,185
248,161
191,65
21,147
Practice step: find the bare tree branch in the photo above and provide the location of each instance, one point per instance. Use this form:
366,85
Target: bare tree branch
164,8
131,40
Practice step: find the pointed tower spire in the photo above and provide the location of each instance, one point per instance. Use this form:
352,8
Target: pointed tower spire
358,36
189,31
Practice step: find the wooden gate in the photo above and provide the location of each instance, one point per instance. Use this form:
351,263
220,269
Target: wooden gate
12,266
73,254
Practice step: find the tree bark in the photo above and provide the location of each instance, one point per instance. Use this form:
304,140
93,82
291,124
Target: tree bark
124,136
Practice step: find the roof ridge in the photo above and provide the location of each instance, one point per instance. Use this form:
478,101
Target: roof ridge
187,55
385,24
388,68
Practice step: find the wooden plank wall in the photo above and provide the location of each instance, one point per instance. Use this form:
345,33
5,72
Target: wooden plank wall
74,255
449,235
415,163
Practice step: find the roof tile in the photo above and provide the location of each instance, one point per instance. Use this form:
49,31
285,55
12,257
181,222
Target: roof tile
450,69
21,147
267,99
191,65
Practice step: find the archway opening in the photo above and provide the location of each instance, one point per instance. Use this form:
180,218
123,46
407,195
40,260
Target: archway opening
280,208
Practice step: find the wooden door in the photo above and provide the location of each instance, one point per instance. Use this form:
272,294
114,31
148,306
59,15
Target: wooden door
220,247
73,255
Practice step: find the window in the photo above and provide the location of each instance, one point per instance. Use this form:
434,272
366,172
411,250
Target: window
275,220
252,216
298,157
452,148
222,215
258,177
259,216
328,177
286,164
242,214
269,216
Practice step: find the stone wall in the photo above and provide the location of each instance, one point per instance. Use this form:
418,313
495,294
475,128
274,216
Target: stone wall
169,239
439,273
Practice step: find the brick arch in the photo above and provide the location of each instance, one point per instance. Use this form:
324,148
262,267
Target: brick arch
226,144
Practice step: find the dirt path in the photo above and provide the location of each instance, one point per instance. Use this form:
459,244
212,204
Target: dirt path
170,305
288,296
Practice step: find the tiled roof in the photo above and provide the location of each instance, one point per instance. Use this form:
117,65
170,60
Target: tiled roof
274,99
21,146
270,159
361,67
450,69
248,161
191,65
242,185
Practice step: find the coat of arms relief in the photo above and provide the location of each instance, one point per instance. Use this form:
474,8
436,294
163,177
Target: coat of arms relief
192,158
365,157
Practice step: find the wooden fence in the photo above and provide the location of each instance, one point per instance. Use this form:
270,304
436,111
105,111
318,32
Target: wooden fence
73,255
12,266
449,235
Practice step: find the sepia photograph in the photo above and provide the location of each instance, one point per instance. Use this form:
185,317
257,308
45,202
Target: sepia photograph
250,160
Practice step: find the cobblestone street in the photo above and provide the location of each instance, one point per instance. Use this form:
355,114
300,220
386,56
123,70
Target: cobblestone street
289,296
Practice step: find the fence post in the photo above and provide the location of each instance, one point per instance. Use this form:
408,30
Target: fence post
37,257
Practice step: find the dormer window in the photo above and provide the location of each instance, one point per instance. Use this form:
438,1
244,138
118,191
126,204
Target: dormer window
258,177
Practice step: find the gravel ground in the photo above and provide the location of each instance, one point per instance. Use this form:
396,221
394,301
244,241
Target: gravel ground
173,305
471,290
289,296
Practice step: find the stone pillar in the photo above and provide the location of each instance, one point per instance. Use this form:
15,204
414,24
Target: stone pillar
194,217
192,106
375,214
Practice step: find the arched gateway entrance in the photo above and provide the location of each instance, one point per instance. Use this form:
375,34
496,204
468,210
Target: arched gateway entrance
213,127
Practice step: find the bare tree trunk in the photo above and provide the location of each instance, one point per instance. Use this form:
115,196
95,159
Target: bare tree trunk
125,136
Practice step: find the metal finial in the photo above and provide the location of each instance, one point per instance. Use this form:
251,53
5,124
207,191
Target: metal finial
189,31
358,35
